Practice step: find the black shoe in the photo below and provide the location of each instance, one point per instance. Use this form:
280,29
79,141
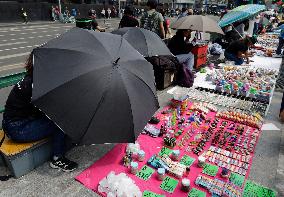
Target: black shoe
64,164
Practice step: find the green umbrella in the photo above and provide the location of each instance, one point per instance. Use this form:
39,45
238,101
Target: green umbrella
241,13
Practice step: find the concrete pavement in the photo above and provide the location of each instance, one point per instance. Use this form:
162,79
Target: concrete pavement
17,40
15,44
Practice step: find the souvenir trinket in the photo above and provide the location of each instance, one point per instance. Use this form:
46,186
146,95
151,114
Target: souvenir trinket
201,161
161,174
127,159
185,185
225,172
134,167
141,155
175,155
170,141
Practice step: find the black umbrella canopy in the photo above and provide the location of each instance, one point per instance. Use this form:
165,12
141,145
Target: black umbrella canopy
95,86
144,41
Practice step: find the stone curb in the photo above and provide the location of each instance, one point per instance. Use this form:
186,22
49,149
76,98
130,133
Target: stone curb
280,170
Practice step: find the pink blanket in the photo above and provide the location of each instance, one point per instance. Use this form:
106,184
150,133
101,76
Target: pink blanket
112,162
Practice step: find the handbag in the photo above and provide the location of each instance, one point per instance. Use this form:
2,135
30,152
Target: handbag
184,76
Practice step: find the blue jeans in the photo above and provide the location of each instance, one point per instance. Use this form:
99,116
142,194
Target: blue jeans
187,60
231,57
34,129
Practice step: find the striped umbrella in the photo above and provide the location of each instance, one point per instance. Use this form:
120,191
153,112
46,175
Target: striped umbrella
241,13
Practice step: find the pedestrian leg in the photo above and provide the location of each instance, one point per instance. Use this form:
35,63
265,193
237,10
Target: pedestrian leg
280,45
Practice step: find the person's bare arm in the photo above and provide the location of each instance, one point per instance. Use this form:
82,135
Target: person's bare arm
246,55
240,54
169,30
100,29
162,30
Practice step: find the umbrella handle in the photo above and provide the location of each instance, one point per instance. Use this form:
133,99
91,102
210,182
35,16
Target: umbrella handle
237,32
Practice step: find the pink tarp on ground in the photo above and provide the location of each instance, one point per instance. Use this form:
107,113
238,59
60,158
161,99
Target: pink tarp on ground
112,162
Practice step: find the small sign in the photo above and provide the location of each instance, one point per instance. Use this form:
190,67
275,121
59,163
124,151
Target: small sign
254,189
169,184
187,160
165,151
145,173
210,170
196,193
151,194
237,179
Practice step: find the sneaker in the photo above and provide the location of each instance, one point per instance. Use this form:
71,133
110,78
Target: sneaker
277,56
64,164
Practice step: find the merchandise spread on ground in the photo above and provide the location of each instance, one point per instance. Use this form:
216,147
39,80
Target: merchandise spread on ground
194,141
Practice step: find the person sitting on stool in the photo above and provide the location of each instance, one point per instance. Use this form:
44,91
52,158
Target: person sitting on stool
23,122
179,46
238,50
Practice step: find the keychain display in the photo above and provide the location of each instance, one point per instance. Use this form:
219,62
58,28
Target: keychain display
233,161
227,100
241,117
218,187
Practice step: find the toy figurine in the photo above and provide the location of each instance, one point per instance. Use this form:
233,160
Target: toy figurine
170,141
225,173
163,130
187,171
174,118
127,159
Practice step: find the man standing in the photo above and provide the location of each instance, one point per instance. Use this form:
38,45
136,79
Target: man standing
24,15
281,41
103,13
108,13
153,20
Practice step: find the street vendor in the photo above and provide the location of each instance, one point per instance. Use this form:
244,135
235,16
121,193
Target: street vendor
23,122
238,50
281,41
180,46
95,25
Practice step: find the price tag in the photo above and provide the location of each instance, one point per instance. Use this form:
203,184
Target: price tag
145,173
151,194
210,170
237,179
165,151
169,184
187,160
196,193
256,190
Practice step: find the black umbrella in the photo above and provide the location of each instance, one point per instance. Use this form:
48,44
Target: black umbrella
95,86
144,41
